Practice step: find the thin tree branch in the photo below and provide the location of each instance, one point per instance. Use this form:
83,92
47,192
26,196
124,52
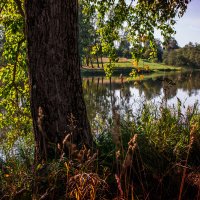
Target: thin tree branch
15,67
19,6
16,60
6,196
131,3
47,193
1,9
20,192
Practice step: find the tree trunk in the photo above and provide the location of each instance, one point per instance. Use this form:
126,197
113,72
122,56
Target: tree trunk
102,60
97,60
57,103
91,62
87,61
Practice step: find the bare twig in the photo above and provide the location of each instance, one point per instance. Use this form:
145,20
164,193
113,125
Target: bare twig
20,192
5,197
47,193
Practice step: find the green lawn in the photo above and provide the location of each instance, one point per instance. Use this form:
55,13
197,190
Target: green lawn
125,66
152,65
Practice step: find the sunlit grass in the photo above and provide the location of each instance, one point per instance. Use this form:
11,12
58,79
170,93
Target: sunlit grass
125,66
142,63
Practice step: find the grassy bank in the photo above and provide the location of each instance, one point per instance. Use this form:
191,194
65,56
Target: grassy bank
153,154
125,67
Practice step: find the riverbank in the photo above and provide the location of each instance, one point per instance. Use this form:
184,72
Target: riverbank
150,155
125,67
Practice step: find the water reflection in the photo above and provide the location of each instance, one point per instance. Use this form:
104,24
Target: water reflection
102,94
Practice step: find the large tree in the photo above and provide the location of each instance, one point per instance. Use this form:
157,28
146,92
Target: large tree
57,104
51,32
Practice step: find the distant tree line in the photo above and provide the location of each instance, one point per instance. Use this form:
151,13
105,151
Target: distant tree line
124,49
188,56
156,56
171,54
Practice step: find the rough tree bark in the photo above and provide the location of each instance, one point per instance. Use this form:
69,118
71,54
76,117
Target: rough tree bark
57,103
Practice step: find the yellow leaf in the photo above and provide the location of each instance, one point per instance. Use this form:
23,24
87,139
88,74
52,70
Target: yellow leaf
7,175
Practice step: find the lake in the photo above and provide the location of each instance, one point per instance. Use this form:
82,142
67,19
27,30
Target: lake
168,89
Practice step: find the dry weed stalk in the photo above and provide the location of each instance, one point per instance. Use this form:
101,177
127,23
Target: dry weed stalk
194,179
119,187
192,139
132,145
83,157
84,186
83,183
127,164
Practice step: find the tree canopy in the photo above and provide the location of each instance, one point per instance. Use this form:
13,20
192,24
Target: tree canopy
139,19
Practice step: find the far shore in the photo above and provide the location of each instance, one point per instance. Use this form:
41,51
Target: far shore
125,67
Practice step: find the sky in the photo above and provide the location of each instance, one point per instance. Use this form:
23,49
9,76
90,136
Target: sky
188,27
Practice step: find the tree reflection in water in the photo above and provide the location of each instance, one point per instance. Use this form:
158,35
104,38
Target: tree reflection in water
104,97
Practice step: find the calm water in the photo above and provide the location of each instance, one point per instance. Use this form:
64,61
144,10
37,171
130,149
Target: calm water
101,95
128,96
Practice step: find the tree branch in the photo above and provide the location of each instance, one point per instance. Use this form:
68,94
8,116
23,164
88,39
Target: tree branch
131,3
1,9
15,67
16,60
19,6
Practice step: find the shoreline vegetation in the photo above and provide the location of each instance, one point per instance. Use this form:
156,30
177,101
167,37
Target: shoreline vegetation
148,155
125,66
151,154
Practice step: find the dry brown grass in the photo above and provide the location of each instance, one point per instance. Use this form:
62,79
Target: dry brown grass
106,60
191,142
84,186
